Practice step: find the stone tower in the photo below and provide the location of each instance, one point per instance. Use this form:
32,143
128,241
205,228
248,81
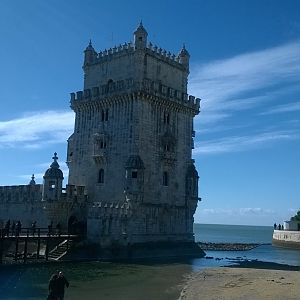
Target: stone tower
132,143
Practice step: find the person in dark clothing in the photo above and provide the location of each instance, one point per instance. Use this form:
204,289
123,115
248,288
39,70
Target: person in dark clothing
13,228
50,226
62,282
53,287
58,229
33,227
7,227
18,228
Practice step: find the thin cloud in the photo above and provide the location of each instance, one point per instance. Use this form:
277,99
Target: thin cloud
289,107
225,85
238,211
37,129
242,143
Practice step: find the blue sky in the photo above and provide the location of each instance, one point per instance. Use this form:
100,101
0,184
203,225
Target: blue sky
245,66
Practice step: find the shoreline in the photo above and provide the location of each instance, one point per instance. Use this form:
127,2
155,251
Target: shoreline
255,280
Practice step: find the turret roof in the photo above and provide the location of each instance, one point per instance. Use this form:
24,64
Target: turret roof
54,170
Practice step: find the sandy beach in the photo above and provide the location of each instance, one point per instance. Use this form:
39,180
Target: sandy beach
242,283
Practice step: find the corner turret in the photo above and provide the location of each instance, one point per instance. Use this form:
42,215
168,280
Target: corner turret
90,54
53,179
140,37
184,57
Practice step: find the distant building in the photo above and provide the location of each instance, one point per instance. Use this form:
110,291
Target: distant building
132,178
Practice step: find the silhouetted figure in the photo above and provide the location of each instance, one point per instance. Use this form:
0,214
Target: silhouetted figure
13,228
33,227
50,226
53,287
279,227
18,228
7,227
275,226
62,282
58,229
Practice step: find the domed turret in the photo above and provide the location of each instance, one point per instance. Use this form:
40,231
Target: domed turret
90,54
53,179
32,181
54,171
140,37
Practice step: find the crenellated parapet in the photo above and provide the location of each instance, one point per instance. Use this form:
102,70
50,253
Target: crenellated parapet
129,48
148,86
21,193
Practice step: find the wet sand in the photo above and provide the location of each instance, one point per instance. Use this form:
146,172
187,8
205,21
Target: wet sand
242,283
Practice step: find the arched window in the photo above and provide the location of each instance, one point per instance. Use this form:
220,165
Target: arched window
165,179
101,176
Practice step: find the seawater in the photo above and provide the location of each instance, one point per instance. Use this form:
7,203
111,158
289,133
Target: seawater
143,280
243,234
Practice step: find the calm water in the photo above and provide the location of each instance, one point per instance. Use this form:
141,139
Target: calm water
98,280
244,234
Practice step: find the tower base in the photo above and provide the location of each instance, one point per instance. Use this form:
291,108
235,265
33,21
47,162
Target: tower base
139,251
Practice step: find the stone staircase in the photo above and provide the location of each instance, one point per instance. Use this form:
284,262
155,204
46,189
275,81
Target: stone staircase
61,250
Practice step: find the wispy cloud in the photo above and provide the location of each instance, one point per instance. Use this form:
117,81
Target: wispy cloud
239,83
239,211
241,143
289,107
37,129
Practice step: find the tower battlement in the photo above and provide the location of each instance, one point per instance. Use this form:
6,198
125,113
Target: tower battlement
128,47
138,61
125,87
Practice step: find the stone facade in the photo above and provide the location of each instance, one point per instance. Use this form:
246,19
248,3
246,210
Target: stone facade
44,203
132,143
132,178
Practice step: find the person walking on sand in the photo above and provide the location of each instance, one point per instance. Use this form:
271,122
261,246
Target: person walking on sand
52,287
62,282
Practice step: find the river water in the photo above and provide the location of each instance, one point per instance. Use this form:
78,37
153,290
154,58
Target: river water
159,281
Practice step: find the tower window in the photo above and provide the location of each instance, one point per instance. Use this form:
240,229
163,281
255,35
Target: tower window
102,144
104,115
166,118
134,174
101,176
165,179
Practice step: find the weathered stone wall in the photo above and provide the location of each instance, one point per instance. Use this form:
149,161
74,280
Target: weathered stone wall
26,212
135,109
20,193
